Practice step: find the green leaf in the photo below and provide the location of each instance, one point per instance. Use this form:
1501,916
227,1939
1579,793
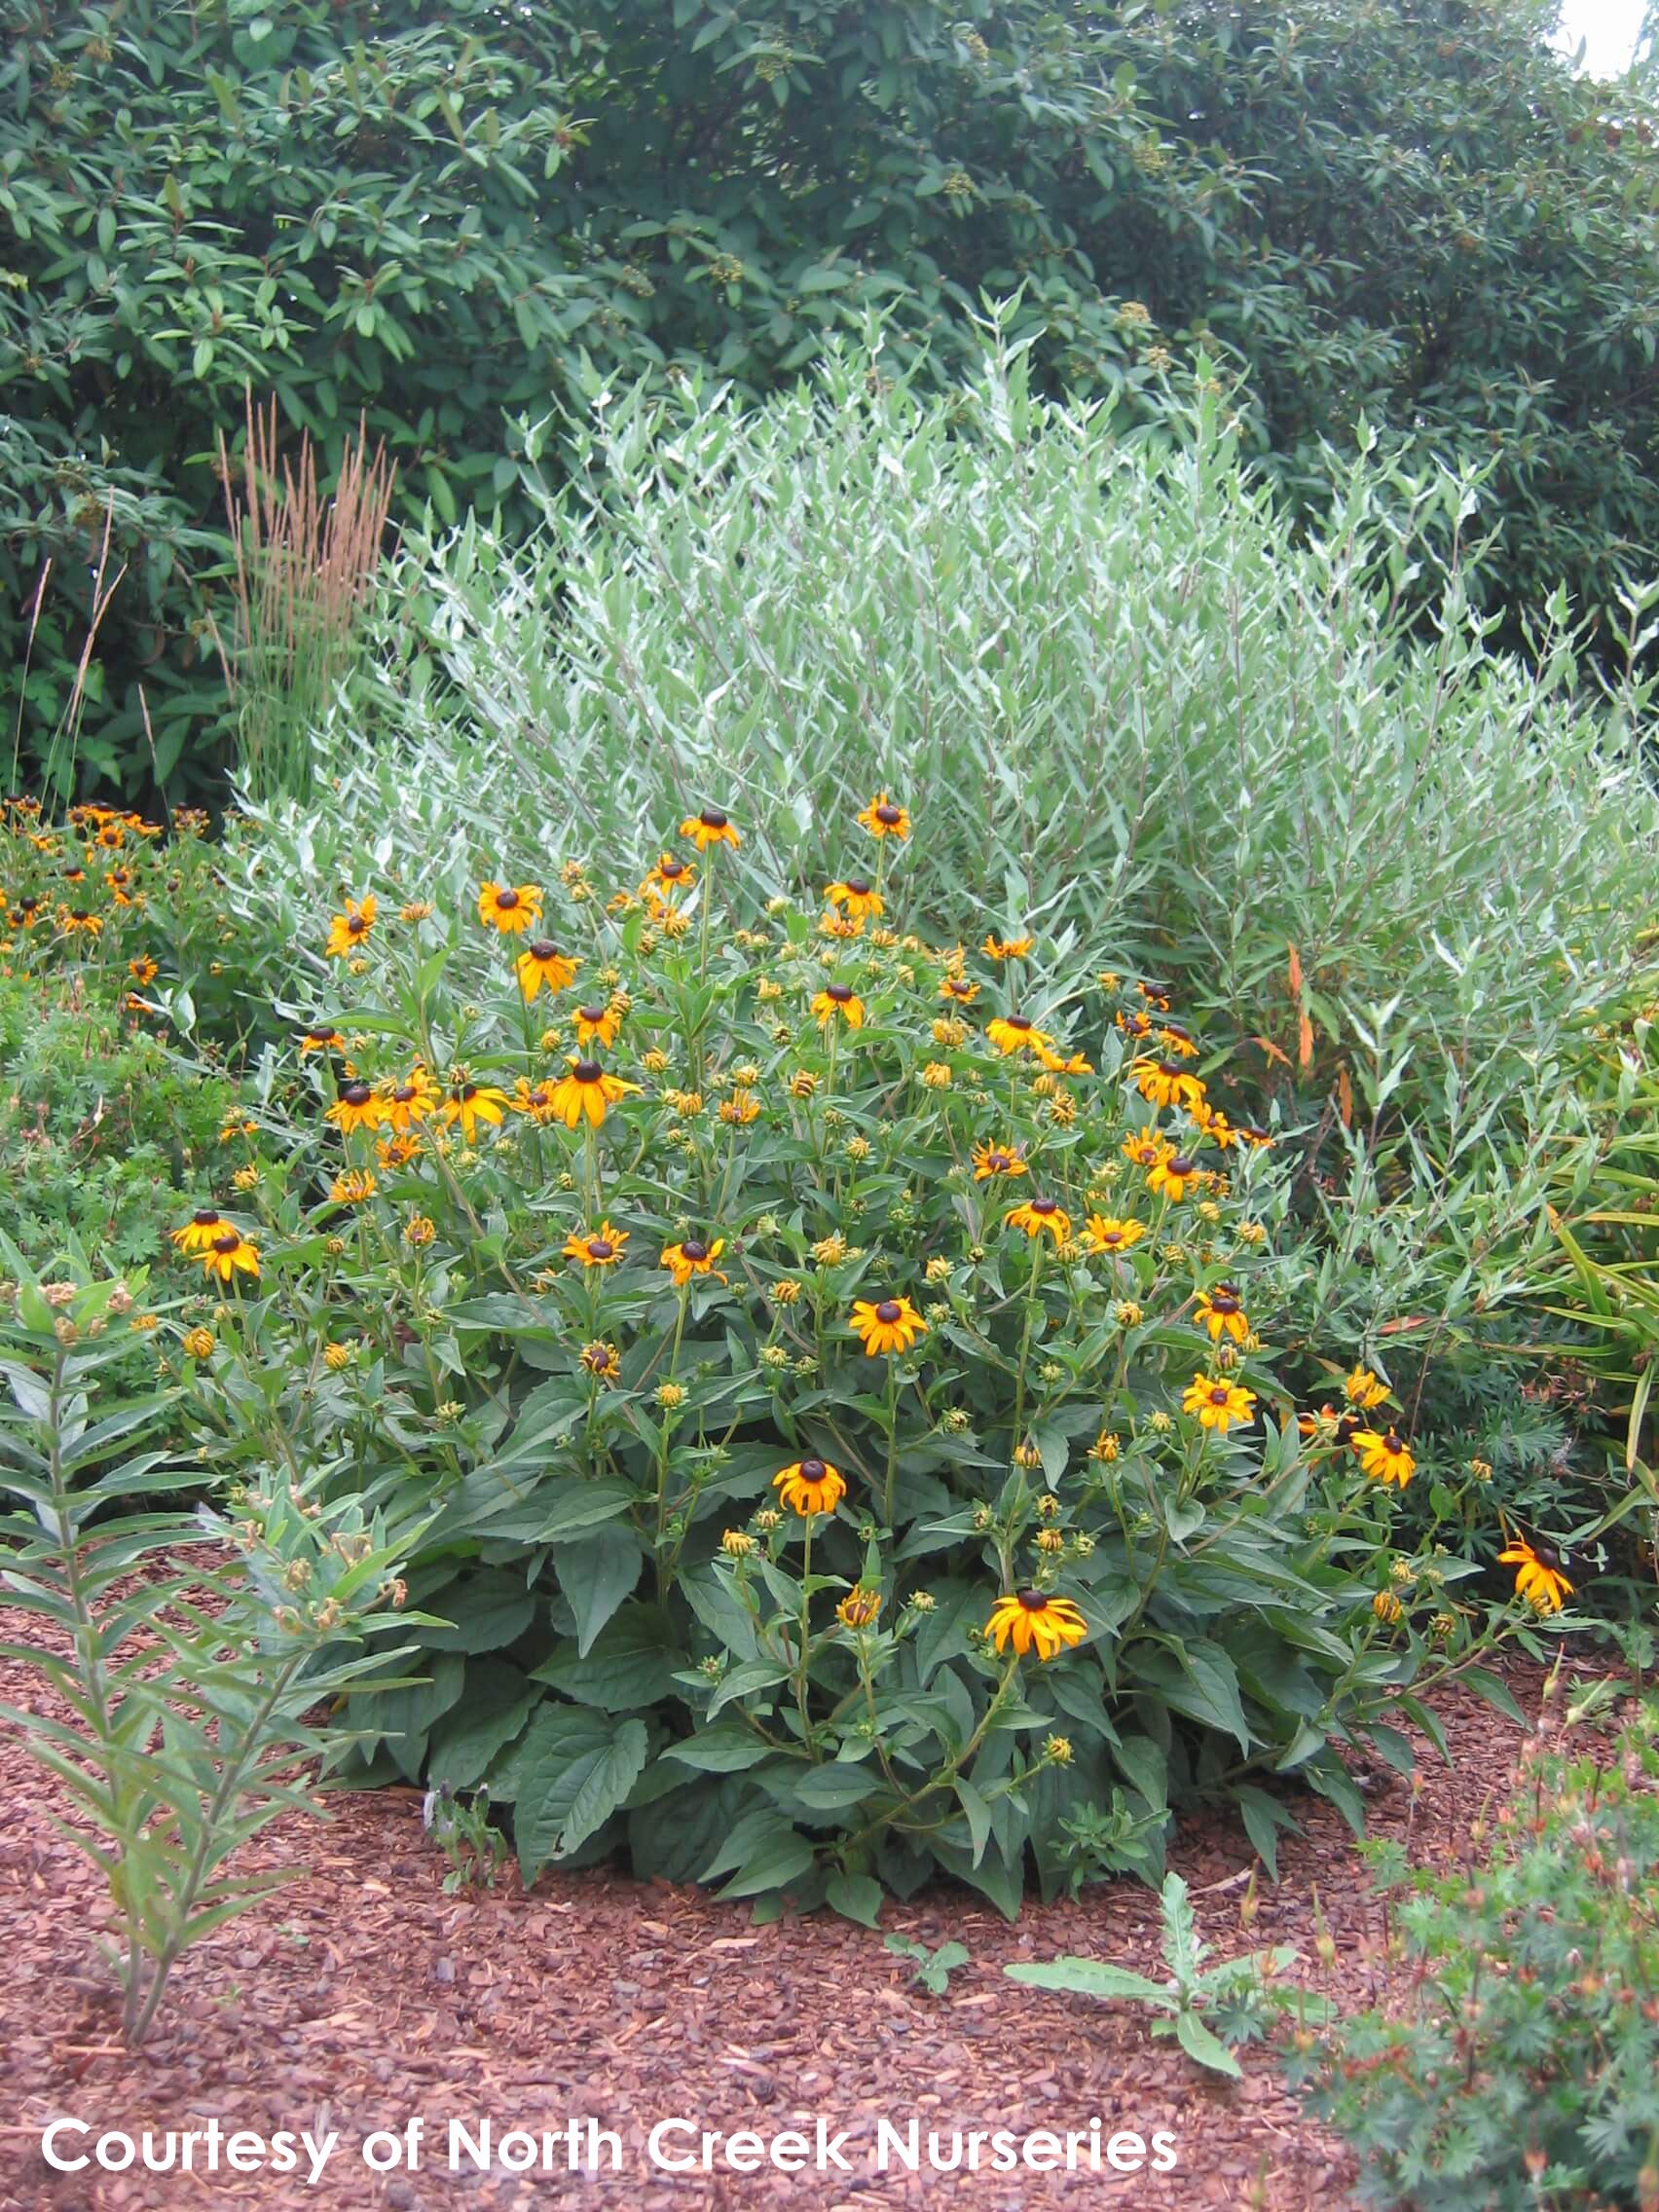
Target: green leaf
596,1574
574,1769
496,1703
856,1896
1093,1977
631,1662
1200,2044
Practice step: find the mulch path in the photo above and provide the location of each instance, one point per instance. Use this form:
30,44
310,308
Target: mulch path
363,1996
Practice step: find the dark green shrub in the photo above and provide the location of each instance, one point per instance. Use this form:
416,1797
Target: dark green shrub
1520,2070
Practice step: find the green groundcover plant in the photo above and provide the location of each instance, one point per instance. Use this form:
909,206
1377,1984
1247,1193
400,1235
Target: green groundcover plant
827,1380
1520,2065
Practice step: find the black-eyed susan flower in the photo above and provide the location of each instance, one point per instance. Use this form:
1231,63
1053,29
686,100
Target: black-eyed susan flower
474,1105
510,907
1539,1578
1016,1033
741,1107
1134,1021
669,878
348,931
860,1608
709,828
1212,1123
200,1230
1029,1620
353,1187
602,1247
838,1002
885,818
405,1105
1387,1608
602,1360
1064,1064
1145,1147
541,966
395,1152
586,1092
79,921
1111,1233
321,1037
1007,948
1364,1390
357,1107
142,970
1037,1216
886,1324
855,897
1217,1404
230,1253
692,1256
993,1159
1166,1083
958,989
810,1487
1251,1133
1173,1176
1178,1041
534,1100
1156,995
1221,1312
198,1344
1384,1455
597,1026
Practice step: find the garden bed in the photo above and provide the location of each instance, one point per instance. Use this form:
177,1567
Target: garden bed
364,1996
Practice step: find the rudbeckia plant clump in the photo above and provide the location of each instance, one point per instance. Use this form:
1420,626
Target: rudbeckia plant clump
826,1378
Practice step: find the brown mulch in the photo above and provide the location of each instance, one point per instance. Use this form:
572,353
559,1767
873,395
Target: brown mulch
362,1997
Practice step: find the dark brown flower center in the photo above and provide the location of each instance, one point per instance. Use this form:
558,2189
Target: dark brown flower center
1394,1441
592,1012
358,924
601,1248
858,885
711,818
1110,1236
839,992
467,1093
1223,1300
1018,1022
355,1094
587,1071
1219,1395
204,1217
1002,1161
78,914
1045,1206
403,1092
544,949
672,871
812,1470
887,1313
506,901
887,815
694,1249
1032,1600
1182,1165
227,1240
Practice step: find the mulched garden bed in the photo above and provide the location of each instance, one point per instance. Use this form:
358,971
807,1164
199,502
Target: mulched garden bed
363,1996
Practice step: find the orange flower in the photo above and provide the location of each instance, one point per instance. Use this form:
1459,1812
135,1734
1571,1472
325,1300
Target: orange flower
710,827
1016,1033
882,818
839,1000
856,897
1039,1214
347,930
692,1256
508,908
541,964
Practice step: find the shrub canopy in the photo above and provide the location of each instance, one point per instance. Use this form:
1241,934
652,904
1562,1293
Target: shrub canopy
434,215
